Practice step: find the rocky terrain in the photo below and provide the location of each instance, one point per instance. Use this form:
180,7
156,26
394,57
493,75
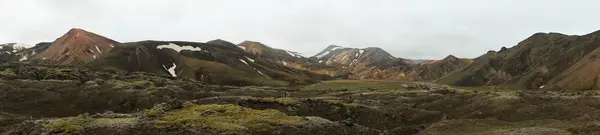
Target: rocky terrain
57,99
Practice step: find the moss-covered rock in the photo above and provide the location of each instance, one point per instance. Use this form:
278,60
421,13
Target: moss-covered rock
192,119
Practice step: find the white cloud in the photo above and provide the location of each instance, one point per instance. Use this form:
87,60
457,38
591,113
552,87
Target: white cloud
406,28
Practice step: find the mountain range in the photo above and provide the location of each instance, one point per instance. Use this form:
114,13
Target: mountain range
84,83
542,61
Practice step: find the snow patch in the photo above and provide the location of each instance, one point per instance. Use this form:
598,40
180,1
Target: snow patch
260,72
354,61
19,46
242,47
94,56
24,58
337,47
44,58
33,52
92,51
320,61
543,86
171,70
345,56
250,59
244,62
290,53
284,63
111,45
98,49
329,51
323,54
178,48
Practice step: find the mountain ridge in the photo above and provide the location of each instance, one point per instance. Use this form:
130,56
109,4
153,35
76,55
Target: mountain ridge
77,45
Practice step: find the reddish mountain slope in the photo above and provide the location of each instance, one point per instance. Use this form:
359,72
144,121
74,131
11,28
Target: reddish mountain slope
77,45
376,63
544,59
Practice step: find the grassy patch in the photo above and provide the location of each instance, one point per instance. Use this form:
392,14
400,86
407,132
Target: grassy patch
8,72
357,85
108,122
228,118
70,125
75,125
284,101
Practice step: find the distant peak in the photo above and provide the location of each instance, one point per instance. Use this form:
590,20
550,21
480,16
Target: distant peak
450,57
332,46
251,43
218,39
77,30
220,42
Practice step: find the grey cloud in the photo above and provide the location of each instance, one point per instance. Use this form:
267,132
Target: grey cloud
430,29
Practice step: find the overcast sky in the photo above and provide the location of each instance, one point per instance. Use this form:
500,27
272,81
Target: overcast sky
418,29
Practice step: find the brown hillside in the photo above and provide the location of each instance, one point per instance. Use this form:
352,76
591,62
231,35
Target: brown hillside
528,65
77,45
583,75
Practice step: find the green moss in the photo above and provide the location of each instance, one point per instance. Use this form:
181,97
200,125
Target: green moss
284,101
70,125
228,118
106,122
351,105
155,111
8,72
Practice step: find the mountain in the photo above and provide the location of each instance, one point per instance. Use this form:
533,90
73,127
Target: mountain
77,45
13,52
352,57
434,69
211,63
376,63
359,63
287,58
222,42
540,60
8,51
419,60
12,47
270,53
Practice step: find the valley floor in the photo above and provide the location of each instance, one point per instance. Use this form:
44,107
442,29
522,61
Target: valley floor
131,106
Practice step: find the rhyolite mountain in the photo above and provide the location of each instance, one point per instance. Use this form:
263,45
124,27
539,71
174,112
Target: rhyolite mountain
287,58
213,63
376,63
277,55
544,60
77,45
